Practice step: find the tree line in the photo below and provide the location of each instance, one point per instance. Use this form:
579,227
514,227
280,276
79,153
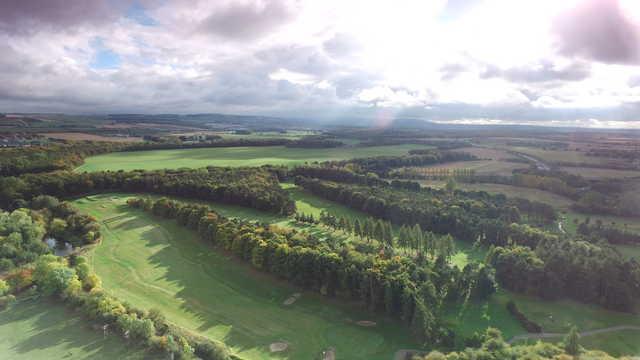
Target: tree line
399,286
251,187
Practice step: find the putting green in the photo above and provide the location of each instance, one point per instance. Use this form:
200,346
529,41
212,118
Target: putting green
155,263
232,156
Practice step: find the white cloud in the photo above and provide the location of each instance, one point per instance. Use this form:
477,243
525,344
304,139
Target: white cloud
286,57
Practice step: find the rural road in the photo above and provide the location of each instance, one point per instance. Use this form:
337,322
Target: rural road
539,164
582,334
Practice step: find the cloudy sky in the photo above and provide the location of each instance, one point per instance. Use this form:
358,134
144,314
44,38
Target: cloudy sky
518,61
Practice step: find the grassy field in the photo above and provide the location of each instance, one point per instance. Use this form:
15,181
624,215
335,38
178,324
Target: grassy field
559,316
156,263
43,330
234,156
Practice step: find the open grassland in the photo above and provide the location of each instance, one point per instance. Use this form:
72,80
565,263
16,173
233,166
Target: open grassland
232,156
43,330
154,263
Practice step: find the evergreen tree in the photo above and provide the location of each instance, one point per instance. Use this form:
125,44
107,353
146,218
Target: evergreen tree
571,342
357,229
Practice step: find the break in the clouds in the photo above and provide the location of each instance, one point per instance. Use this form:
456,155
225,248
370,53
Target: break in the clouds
544,61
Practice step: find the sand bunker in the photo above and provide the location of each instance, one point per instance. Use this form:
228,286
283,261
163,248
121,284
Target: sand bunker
278,346
329,354
366,323
291,299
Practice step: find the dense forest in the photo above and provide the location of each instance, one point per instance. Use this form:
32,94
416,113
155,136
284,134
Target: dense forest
573,268
22,230
490,345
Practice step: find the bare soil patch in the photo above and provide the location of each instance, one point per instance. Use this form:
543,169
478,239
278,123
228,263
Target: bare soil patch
366,323
329,354
278,347
291,299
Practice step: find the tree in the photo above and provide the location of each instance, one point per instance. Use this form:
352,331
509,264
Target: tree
571,342
451,185
357,229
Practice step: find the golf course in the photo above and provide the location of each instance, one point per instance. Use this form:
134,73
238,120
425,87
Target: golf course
159,264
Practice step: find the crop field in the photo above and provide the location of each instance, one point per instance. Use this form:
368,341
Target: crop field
597,173
159,264
43,330
233,156
77,136
487,153
482,167
564,156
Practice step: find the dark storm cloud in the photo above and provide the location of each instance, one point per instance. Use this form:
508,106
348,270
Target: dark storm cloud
598,30
29,16
543,72
248,20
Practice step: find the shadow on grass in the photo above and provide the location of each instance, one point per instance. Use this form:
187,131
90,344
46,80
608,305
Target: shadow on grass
45,325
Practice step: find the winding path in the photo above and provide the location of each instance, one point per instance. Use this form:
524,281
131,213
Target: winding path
582,334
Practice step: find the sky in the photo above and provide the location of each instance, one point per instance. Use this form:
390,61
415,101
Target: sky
558,62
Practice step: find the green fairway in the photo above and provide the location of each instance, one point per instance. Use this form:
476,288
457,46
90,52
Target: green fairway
42,329
154,263
232,156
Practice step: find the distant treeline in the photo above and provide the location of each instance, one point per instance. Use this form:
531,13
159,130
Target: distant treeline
252,187
59,156
205,144
315,142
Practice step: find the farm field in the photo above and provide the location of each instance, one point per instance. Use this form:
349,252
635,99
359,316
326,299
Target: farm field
487,153
597,173
84,136
160,264
562,155
233,156
43,330
482,167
